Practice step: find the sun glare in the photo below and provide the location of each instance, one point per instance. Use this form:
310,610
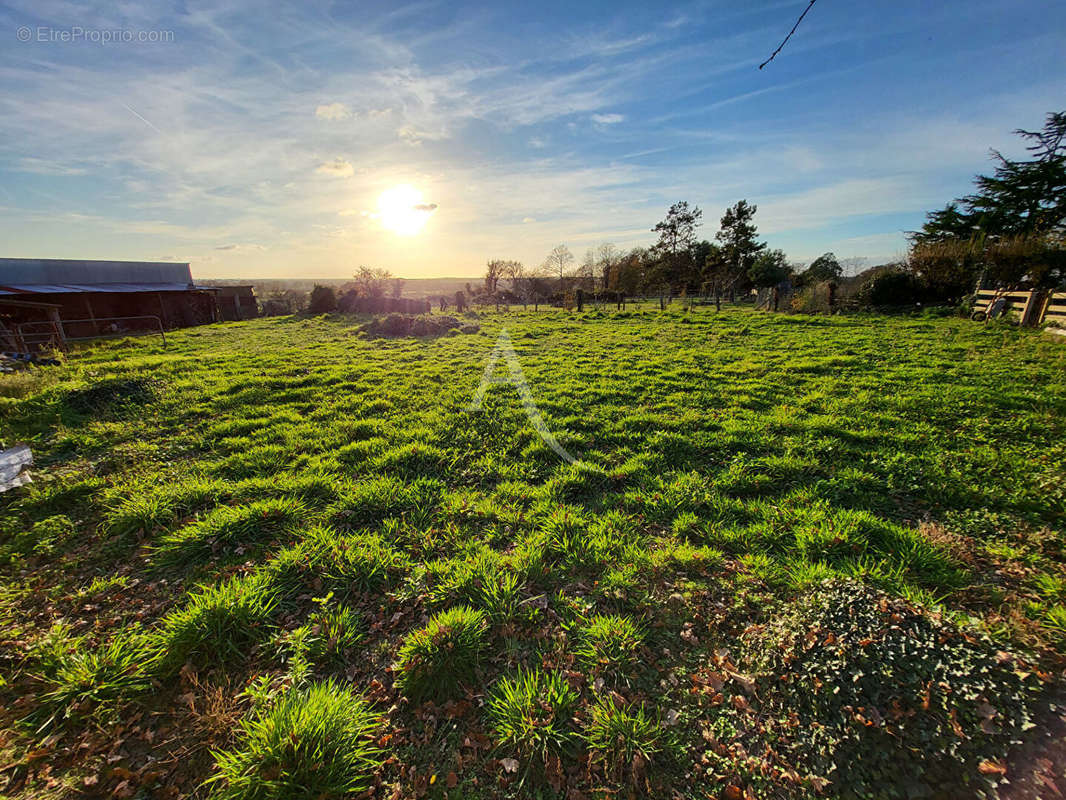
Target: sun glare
402,210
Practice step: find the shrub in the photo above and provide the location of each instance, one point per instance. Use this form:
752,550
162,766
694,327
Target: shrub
323,300
315,742
891,288
436,658
608,644
890,700
622,739
531,713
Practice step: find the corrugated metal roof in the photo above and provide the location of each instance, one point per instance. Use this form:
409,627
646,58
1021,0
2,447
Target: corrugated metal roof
69,288
61,271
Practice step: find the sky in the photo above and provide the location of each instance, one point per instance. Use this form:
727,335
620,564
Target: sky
256,139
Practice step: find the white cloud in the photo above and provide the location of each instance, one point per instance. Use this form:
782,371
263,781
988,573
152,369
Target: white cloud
42,167
333,111
337,168
232,154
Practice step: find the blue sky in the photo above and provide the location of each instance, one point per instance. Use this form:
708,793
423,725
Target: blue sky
254,140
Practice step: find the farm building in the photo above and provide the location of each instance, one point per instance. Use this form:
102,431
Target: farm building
48,301
237,302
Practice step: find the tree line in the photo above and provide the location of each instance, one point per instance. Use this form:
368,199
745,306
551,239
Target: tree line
680,262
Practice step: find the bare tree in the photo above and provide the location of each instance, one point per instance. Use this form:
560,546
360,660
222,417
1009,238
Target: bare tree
559,259
587,271
607,258
494,270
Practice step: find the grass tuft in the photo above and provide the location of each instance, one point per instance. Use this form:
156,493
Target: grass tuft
218,622
530,713
310,743
623,739
608,645
437,658
84,681
228,527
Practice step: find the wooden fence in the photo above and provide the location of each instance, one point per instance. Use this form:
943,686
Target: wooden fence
1027,307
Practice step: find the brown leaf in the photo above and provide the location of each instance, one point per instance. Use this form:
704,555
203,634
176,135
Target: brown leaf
988,767
451,780
746,683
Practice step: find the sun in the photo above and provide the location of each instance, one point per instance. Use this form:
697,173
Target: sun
402,210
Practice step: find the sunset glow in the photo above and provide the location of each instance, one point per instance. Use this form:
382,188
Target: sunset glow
403,210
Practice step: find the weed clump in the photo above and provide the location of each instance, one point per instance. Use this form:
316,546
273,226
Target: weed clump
314,742
608,644
435,659
622,739
531,713
426,325
219,622
890,700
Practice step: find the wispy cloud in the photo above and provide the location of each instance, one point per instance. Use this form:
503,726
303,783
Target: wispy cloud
337,168
214,141
333,111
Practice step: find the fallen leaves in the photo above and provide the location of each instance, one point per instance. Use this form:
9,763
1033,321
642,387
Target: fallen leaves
990,767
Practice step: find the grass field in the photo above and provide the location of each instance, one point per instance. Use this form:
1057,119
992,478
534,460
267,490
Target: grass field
798,556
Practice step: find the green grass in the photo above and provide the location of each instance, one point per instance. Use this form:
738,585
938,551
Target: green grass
624,740
283,504
309,743
530,714
436,659
217,623
608,645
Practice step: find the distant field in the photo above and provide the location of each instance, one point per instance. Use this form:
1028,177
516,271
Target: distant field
287,558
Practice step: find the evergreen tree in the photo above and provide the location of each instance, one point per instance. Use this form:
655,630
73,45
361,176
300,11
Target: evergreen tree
739,246
677,239
1021,198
